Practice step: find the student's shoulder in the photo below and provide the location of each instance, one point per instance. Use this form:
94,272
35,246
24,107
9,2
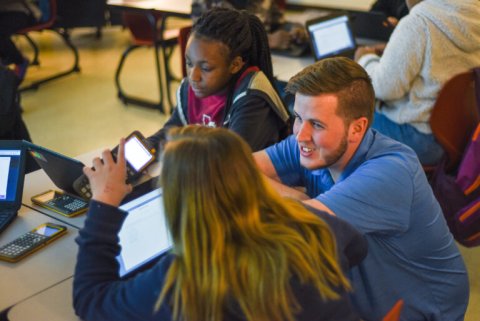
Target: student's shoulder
391,157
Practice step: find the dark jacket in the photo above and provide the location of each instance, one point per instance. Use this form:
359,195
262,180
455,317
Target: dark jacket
99,294
257,113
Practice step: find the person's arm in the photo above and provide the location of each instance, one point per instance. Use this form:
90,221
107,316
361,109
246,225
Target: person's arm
393,74
266,166
98,293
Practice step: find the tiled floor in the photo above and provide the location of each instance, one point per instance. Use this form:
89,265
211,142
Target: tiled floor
81,112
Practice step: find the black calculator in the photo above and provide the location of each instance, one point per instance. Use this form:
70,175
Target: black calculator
62,203
31,241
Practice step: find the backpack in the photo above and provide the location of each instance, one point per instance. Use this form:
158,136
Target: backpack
459,193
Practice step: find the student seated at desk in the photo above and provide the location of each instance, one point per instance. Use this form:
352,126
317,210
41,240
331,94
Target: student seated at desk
229,81
435,41
375,183
240,251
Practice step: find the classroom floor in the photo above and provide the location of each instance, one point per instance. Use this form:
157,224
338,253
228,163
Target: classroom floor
81,112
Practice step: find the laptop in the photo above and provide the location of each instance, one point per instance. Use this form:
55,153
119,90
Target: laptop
144,235
370,25
62,170
12,174
330,36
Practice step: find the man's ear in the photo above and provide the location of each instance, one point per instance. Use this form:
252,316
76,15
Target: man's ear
357,129
236,65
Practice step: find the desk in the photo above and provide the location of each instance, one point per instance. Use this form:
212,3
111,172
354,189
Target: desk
38,182
285,68
157,12
53,304
51,265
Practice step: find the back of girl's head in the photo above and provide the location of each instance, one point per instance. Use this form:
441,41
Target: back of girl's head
243,33
208,171
235,239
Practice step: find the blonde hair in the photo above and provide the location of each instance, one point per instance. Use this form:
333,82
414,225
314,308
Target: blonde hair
236,241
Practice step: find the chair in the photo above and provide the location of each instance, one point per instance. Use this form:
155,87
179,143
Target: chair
454,117
394,313
147,30
49,25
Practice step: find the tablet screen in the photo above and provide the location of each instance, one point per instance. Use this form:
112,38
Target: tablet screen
331,37
144,234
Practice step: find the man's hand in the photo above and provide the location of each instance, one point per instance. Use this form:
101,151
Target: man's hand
107,178
375,49
390,22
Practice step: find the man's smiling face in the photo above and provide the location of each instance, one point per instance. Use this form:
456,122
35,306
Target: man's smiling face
322,135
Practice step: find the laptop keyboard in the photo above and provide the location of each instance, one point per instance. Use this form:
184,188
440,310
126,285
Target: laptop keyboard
6,218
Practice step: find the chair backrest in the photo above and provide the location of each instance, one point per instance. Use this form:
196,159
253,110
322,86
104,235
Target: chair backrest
182,44
139,27
142,31
455,116
394,313
48,17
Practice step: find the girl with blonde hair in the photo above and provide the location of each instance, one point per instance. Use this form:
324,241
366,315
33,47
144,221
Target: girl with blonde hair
240,251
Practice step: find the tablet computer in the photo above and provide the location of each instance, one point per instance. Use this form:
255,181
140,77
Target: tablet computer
144,235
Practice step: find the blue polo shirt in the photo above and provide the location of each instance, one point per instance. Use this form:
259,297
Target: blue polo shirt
384,193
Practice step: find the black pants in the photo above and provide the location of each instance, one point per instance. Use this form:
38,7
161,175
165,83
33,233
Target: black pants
11,22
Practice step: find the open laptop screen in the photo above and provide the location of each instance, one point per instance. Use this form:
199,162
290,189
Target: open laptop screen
12,171
144,234
331,36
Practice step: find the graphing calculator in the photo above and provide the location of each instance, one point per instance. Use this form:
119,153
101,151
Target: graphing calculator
31,242
63,203
138,156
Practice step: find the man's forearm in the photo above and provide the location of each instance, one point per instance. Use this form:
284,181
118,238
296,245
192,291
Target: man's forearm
287,191
292,192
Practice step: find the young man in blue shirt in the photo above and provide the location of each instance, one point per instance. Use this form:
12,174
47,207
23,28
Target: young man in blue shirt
375,183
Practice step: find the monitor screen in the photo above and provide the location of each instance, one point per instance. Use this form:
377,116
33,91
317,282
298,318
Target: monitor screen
10,174
144,234
331,36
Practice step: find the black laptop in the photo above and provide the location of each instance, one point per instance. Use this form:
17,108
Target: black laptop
330,36
12,173
62,170
370,25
